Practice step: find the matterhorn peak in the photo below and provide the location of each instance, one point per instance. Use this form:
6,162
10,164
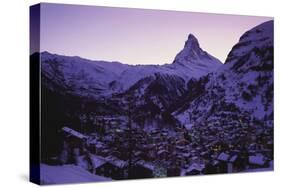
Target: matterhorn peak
195,58
191,50
192,42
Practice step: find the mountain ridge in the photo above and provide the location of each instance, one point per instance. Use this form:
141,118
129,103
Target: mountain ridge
244,81
116,77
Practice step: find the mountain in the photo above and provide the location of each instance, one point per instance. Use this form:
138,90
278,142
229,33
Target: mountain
240,91
196,87
211,108
67,174
151,97
84,77
78,76
193,61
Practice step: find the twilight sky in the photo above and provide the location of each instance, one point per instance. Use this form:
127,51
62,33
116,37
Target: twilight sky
136,36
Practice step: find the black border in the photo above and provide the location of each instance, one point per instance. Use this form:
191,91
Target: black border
34,100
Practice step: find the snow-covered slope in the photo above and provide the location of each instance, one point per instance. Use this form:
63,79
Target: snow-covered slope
77,75
192,61
153,95
251,45
241,89
67,174
84,77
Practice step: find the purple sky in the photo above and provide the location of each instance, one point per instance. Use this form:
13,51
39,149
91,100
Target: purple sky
136,36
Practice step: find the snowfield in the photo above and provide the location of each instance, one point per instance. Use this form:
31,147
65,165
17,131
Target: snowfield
67,174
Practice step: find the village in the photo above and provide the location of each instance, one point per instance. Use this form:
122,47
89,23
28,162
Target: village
112,149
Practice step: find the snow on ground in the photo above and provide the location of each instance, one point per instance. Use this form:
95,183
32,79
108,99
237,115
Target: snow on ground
260,169
67,174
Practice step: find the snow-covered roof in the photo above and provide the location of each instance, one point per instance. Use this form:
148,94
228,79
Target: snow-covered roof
186,154
100,145
188,126
233,158
257,159
74,133
98,161
223,157
137,153
116,162
215,162
161,151
195,166
146,164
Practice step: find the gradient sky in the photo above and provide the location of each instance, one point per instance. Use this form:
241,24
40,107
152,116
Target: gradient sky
136,36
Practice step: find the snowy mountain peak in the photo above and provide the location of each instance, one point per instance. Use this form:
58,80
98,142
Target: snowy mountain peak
191,43
100,78
196,59
192,53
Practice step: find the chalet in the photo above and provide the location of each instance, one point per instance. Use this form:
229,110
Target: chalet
87,162
91,146
225,166
188,126
73,143
97,147
110,120
150,155
113,168
149,152
162,154
186,156
257,161
193,169
68,132
181,142
142,169
212,167
181,160
104,124
229,163
138,153
98,160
